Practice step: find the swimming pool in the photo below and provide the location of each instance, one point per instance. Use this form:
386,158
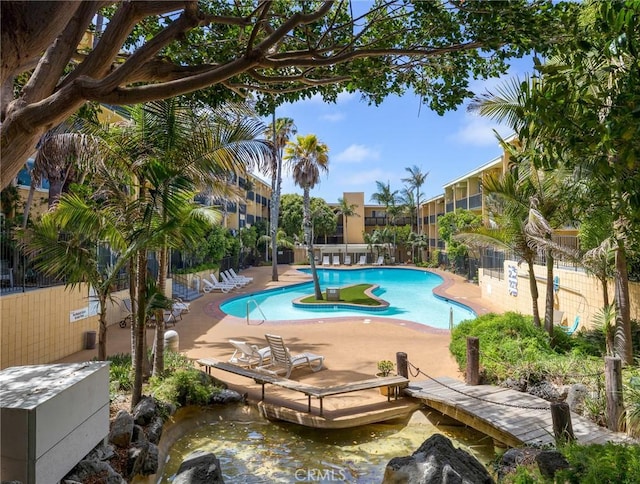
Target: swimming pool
408,291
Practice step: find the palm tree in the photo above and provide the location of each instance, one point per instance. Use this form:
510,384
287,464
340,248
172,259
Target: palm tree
543,188
63,244
347,210
278,132
308,157
415,180
282,240
384,196
509,206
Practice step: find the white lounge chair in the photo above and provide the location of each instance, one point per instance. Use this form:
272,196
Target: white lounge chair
379,262
246,354
227,279
325,260
336,260
284,362
363,260
347,260
209,286
239,276
184,307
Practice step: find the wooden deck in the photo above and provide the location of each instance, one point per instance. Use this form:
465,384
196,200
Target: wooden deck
515,419
393,384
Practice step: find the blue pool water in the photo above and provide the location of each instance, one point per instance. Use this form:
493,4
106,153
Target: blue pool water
408,291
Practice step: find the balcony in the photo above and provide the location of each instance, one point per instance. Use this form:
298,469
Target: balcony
373,221
449,207
475,201
462,203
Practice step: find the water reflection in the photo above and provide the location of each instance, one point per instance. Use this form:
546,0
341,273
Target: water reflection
254,450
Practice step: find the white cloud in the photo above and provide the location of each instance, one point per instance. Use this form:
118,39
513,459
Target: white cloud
333,117
478,131
357,153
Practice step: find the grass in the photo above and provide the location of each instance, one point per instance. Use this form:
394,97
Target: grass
351,294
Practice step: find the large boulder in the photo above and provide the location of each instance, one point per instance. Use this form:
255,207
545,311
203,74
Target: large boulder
154,430
145,411
94,471
225,397
576,397
436,461
121,429
199,467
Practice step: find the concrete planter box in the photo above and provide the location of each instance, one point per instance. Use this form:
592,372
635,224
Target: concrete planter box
51,417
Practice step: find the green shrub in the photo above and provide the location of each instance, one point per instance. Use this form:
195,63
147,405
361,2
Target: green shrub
183,387
589,464
120,373
511,347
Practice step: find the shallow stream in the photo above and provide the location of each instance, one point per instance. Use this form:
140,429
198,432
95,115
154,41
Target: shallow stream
252,449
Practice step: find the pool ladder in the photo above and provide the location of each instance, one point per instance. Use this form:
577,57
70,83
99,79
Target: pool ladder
264,318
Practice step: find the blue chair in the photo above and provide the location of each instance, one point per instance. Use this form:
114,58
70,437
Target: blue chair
572,329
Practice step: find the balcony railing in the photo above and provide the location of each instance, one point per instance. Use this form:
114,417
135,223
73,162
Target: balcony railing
475,201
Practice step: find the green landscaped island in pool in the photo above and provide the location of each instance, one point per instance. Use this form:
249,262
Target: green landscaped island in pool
356,296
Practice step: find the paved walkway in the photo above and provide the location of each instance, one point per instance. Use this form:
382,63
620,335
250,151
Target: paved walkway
351,346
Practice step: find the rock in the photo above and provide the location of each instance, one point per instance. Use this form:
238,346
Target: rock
138,435
519,385
145,411
121,429
96,471
513,458
576,396
226,396
550,461
136,457
154,430
150,464
199,467
102,452
545,390
436,461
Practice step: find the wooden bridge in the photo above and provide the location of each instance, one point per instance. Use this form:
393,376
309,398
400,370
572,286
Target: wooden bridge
508,416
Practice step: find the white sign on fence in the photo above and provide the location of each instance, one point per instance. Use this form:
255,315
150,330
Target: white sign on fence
78,314
512,280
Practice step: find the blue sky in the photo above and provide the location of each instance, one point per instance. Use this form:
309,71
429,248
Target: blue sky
369,143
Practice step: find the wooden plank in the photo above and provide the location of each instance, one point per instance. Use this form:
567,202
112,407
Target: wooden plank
390,381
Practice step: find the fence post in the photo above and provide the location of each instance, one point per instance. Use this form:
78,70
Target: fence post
402,364
472,375
613,388
561,418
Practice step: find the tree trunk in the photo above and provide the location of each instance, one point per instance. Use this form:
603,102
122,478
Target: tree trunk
346,242
548,313
623,343
605,290
102,335
533,288
29,203
273,226
309,242
140,316
158,354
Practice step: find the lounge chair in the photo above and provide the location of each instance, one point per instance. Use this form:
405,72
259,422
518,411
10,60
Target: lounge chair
572,329
336,260
246,354
347,260
239,276
284,362
363,260
209,286
179,304
325,260
379,262
227,279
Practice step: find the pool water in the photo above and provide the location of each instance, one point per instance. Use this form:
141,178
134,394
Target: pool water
408,291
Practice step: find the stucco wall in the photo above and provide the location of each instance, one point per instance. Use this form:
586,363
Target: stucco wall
35,326
577,294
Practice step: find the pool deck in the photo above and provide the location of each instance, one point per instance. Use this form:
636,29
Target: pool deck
352,346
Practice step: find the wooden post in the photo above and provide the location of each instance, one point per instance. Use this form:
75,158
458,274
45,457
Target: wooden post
613,388
402,364
561,418
472,375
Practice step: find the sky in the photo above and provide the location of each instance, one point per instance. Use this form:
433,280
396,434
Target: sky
376,143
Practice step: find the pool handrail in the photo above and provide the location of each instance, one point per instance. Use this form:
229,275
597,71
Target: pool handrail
264,318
